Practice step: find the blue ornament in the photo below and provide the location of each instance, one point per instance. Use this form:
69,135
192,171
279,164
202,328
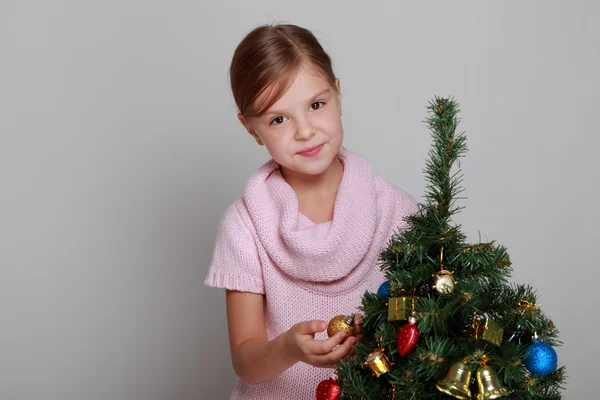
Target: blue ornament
384,289
540,358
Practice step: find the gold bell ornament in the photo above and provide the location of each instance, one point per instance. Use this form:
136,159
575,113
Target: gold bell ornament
489,384
456,384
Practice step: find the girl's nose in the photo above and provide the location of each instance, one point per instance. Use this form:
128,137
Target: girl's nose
304,131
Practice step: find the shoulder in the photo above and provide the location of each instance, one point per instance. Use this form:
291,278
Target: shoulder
405,202
236,220
236,263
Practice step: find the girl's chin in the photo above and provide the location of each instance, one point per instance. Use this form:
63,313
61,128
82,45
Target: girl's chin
310,169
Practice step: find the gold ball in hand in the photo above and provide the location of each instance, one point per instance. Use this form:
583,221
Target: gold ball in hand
341,323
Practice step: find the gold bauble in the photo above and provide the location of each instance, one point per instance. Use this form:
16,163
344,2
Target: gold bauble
444,282
341,323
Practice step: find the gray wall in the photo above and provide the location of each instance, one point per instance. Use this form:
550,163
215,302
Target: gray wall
120,150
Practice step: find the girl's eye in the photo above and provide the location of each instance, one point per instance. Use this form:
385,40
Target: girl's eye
277,120
317,105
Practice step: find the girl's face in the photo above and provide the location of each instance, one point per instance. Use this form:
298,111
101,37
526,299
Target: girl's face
303,130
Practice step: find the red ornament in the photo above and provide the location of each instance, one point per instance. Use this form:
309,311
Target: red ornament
408,336
329,389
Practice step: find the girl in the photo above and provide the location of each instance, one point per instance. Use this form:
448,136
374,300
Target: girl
302,243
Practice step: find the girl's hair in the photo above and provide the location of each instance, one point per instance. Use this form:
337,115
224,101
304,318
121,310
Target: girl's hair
265,63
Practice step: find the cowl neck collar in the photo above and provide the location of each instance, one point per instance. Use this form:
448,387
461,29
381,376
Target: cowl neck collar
317,253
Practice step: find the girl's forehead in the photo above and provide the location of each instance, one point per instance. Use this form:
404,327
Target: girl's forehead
308,76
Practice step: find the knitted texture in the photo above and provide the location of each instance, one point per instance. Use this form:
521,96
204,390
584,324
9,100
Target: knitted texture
305,270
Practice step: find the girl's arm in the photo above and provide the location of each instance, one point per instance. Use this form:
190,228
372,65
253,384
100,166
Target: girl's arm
256,359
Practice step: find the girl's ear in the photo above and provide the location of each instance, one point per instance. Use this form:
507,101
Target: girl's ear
251,131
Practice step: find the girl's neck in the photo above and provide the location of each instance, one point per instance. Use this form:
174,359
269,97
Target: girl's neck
321,184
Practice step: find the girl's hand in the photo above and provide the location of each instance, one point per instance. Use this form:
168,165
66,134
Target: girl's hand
301,344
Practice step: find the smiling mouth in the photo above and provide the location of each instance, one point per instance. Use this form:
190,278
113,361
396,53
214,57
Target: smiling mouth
312,151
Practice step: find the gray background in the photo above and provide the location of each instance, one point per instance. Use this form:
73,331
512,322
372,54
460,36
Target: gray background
120,150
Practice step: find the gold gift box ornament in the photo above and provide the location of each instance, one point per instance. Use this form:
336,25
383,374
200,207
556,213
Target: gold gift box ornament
487,329
401,308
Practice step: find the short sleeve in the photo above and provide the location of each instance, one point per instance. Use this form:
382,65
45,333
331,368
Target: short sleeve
235,262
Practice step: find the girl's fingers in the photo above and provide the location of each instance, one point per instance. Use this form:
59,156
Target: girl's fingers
358,318
311,327
327,345
340,351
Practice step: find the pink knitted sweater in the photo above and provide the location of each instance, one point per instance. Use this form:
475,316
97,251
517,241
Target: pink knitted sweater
305,270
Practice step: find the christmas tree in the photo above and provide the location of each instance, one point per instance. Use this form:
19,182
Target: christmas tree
447,323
